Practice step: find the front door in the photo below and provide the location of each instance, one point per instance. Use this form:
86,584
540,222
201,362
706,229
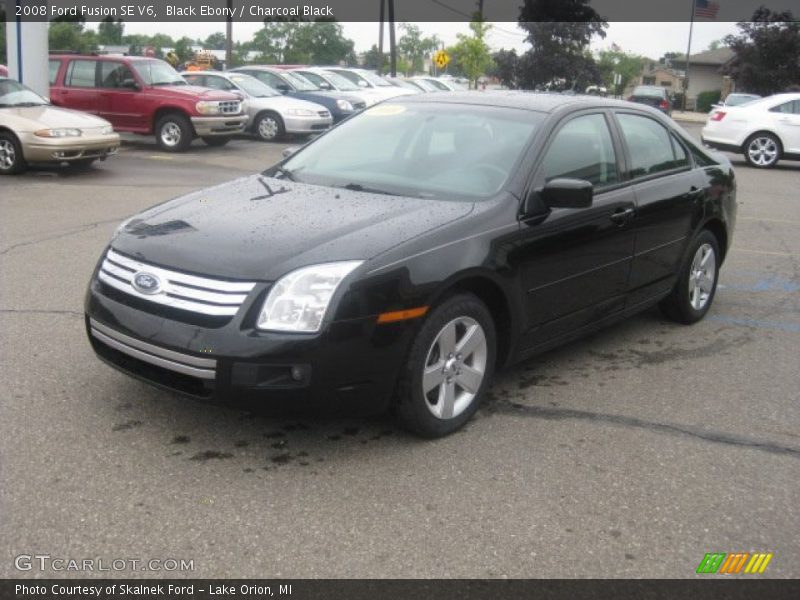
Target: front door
574,263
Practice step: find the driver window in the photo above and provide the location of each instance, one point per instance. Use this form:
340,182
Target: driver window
114,74
582,149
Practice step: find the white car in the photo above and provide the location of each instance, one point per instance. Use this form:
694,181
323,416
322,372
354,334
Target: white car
372,83
271,115
765,130
444,84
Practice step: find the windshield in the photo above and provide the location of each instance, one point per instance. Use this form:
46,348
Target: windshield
431,150
13,93
739,99
330,78
301,83
426,85
375,80
353,78
157,72
253,87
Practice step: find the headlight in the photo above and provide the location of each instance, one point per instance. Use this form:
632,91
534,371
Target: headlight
58,133
300,112
344,105
107,130
299,300
205,107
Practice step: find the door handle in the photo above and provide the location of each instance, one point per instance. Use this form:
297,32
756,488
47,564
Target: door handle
622,215
695,191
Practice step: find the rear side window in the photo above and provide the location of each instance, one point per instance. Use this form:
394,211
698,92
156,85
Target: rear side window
54,66
650,146
582,149
81,73
681,157
791,107
218,83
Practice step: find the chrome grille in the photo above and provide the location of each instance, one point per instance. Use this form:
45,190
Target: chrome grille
178,290
231,107
359,105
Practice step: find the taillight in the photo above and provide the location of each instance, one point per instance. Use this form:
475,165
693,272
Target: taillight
664,104
718,115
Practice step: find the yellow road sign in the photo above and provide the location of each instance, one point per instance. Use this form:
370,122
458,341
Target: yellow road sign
441,59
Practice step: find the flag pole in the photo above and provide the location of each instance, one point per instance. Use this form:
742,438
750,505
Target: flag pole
688,52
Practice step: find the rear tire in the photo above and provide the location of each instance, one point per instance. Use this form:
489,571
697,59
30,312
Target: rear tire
449,368
216,141
269,127
12,161
762,150
694,291
174,132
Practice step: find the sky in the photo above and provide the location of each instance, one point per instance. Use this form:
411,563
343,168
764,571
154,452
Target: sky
652,40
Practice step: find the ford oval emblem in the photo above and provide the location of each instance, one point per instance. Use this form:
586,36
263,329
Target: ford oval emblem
146,283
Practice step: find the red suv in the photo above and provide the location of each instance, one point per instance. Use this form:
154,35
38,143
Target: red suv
145,96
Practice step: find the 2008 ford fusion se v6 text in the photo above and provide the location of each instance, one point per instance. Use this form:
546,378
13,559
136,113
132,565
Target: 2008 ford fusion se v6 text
406,254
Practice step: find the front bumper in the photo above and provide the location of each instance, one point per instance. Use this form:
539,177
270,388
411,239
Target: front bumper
354,360
224,125
307,125
38,149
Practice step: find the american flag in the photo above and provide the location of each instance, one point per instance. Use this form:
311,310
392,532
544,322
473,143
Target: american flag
705,9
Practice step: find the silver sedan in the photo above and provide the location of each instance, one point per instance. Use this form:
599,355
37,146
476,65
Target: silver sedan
271,115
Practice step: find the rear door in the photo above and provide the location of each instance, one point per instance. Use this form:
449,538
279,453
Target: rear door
668,193
574,263
80,86
787,122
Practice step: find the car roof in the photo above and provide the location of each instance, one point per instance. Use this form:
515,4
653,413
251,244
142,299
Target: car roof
534,101
106,57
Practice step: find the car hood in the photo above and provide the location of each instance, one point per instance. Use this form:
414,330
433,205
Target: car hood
281,103
32,118
192,91
259,228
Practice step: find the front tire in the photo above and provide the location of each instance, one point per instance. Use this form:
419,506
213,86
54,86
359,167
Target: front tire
694,291
762,150
12,162
269,127
449,368
174,133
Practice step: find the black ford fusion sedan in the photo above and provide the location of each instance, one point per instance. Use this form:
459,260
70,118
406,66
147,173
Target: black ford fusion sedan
406,254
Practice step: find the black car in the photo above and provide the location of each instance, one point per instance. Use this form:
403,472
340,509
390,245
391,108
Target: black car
406,254
340,104
652,95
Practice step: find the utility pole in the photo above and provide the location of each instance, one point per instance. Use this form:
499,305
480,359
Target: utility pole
480,9
229,36
392,46
688,52
380,37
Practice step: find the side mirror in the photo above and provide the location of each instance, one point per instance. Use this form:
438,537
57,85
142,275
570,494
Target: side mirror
283,88
567,193
287,152
362,83
324,85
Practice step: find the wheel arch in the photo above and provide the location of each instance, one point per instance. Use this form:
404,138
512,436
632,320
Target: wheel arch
162,111
718,229
761,131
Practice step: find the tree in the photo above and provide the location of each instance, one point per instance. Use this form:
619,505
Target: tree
472,52
216,41
767,52
414,47
272,41
109,31
66,35
320,42
628,66
183,48
559,32
375,60
505,67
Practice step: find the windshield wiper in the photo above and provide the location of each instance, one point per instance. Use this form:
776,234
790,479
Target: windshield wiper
284,173
176,82
357,187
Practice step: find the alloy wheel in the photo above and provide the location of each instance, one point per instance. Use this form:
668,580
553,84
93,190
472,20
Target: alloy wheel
763,151
454,368
702,276
8,155
171,134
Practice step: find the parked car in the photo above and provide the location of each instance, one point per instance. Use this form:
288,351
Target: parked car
416,85
328,80
652,95
368,80
735,100
340,104
393,260
441,84
145,96
764,131
270,115
33,131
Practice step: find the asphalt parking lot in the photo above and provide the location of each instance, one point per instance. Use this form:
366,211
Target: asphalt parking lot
628,454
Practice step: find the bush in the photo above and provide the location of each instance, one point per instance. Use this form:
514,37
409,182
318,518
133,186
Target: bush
706,99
